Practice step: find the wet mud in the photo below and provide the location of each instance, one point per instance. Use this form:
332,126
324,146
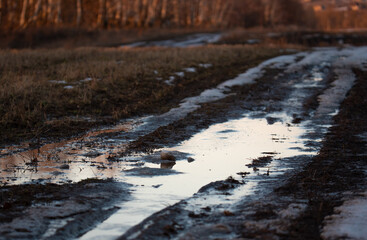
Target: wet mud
51,211
293,202
240,160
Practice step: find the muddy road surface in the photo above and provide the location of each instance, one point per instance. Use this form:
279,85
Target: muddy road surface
279,152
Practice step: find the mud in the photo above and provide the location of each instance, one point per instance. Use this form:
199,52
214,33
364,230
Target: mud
269,122
314,185
51,211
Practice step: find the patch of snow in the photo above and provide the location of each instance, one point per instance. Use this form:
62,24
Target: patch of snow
192,103
192,40
205,65
86,80
191,69
253,41
58,81
348,59
293,211
170,80
254,73
180,74
133,45
155,72
69,87
348,222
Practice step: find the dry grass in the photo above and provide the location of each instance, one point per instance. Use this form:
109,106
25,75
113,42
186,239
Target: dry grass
294,37
124,83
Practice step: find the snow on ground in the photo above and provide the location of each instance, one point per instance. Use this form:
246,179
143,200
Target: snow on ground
180,74
193,40
58,81
205,65
88,79
349,220
170,80
191,69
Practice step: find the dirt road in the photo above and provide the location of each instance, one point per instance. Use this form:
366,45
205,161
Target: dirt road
271,154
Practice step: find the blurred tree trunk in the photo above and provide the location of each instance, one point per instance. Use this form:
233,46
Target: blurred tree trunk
136,11
1,11
23,14
163,13
11,12
118,12
58,12
101,21
152,13
79,12
176,12
125,12
36,13
53,11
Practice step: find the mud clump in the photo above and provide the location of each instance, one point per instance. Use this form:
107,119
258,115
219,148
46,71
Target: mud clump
260,162
167,156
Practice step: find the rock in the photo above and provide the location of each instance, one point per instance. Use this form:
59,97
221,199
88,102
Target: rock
190,159
167,156
168,165
65,166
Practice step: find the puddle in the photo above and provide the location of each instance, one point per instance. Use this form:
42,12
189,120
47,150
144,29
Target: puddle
214,154
220,151
68,161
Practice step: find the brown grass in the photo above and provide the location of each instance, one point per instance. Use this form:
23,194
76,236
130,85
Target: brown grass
294,37
124,83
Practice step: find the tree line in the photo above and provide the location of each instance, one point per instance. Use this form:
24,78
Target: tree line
22,14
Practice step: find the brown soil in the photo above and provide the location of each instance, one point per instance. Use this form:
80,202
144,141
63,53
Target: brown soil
319,186
339,167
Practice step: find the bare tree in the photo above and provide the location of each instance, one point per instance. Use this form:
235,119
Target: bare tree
53,11
59,9
11,11
23,13
101,21
1,11
36,13
79,12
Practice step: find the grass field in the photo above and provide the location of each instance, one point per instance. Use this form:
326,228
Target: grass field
60,92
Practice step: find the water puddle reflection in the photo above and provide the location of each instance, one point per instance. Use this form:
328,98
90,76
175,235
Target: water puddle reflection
216,153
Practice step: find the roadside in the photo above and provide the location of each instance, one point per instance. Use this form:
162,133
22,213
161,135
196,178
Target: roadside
61,93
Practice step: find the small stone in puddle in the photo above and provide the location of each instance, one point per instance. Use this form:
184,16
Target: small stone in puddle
167,156
228,213
190,159
65,166
168,165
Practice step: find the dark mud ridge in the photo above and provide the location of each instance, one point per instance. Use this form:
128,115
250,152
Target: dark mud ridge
52,211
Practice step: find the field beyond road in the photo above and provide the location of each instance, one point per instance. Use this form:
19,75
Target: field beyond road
62,92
